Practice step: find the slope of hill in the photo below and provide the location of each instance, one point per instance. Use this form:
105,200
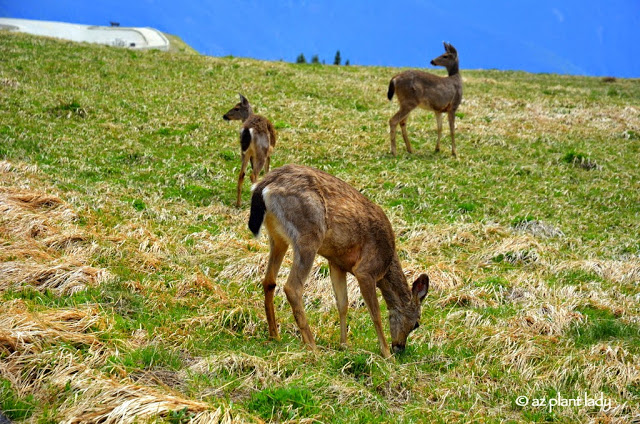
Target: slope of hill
130,284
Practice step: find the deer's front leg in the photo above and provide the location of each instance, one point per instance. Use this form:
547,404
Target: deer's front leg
452,130
439,123
368,289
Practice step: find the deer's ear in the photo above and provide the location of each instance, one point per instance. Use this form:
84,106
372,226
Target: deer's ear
243,99
420,287
452,50
446,46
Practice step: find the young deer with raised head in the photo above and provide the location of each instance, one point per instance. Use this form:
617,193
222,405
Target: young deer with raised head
428,91
317,213
257,141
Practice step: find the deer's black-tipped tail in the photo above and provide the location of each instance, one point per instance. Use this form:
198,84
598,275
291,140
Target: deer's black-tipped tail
392,90
245,139
258,209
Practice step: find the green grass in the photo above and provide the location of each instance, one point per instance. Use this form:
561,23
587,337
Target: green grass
530,239
283,404
14,406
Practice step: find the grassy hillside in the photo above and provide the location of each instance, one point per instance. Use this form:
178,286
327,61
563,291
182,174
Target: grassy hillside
130,284
177,45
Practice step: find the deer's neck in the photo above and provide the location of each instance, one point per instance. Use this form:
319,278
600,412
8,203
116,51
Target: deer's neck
248,115
453,69
394,287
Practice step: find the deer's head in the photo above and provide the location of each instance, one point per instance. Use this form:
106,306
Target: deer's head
241,111
404,321
448,59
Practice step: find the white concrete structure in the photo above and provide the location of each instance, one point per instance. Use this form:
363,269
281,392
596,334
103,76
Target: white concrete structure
133,38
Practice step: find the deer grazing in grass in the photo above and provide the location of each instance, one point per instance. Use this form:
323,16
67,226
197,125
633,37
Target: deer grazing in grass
428,91
317,213
257,141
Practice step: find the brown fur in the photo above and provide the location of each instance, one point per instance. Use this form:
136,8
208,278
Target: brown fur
260,136
428,91
317,213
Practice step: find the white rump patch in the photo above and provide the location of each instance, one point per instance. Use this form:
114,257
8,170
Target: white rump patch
261,139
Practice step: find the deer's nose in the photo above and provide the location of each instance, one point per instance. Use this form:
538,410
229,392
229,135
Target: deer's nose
225,117
398,348
433,63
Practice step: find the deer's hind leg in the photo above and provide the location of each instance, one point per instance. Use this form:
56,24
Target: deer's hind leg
267,162
339,283
304,253
278,248
405,136
257,163
243,168
396,119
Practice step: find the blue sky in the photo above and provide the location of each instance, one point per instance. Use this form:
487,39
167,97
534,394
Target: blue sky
595,38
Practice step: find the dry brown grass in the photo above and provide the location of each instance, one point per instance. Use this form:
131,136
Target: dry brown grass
40,245
24,331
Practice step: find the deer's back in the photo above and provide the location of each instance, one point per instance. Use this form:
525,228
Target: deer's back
350,224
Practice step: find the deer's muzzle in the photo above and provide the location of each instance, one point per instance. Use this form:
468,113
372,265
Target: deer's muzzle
398,348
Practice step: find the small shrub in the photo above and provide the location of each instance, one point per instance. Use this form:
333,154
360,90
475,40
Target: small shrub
581,160
139,205
70,109
572,157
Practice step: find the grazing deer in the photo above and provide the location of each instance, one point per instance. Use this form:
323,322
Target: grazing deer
428,91
317,213
257,141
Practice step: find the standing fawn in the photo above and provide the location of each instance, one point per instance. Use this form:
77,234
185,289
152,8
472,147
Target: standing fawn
421,89
317,213
257,141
